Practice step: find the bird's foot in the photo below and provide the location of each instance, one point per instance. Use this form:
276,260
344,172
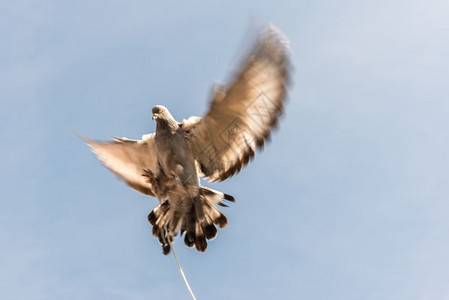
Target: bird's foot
158,186
151,179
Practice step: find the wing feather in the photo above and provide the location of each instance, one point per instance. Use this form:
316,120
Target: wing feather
127,158
241,115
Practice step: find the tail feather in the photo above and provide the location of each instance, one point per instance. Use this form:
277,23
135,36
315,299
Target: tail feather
216,216
189,239
196,221
210,232
200,238
216,196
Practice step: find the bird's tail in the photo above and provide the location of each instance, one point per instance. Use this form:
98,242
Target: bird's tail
196,218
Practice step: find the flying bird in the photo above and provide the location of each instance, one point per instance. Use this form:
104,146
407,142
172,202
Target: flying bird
168,163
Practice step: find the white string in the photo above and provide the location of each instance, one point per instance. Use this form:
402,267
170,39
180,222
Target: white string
182,272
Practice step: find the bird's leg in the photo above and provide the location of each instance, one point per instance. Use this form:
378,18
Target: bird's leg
173,176
151,179
155,183
171,179
177,174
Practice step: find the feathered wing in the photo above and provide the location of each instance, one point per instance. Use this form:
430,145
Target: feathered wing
241,115
127,159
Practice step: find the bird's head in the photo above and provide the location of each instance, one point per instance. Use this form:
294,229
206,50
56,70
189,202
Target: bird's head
160,112
163,117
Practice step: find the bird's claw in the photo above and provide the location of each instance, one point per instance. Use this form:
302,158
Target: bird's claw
150,176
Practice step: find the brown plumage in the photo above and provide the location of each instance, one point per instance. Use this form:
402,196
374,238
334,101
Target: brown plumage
168,163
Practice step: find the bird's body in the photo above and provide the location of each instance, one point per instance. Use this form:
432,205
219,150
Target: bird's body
168,164
173,153
185,204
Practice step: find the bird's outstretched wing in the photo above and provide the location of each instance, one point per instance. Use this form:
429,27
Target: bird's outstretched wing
127,159
241,115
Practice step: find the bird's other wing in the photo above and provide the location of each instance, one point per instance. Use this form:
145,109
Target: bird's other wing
242,114
127,159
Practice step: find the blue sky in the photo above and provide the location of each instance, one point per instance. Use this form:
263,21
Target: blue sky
349,201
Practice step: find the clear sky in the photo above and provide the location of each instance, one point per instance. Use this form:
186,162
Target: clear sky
349,201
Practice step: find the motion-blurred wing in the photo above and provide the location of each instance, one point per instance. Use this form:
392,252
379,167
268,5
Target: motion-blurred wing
127,159
241,115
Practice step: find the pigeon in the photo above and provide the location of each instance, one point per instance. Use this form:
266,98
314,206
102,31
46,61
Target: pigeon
169,163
